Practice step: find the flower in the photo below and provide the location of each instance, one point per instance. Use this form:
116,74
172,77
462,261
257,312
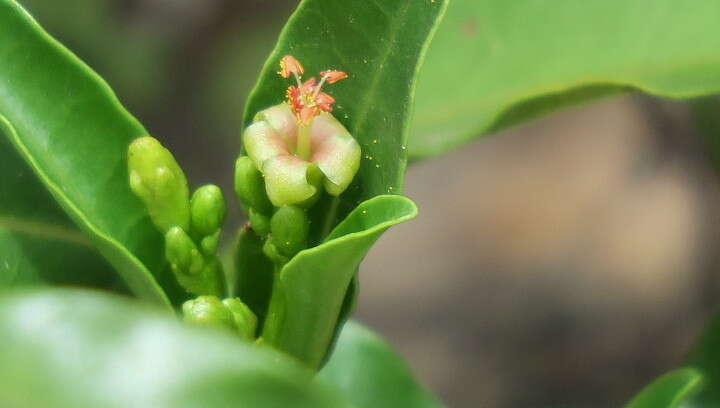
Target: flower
299,146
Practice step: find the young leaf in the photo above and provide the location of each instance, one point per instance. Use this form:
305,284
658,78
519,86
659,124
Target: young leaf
79,349
494,63
70,128
371,374
39,243
381,45
669,391
314,283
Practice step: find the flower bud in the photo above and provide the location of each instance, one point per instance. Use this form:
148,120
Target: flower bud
271,251
207,209
250,186
182,253
157,179
260,223
245,320
289,227
209,244
208,311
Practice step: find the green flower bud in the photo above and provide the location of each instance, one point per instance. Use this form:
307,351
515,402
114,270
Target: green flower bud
157,179
182,253
207,209
208,311
260,223
209,244
250,186
289,227
271,251
245,320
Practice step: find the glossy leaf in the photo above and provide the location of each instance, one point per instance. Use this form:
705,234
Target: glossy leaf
70,128
669,391
380,44
70,348
314,283
372,375
494,63
39,243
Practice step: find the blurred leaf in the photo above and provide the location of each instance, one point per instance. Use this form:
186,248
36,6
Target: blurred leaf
70,348
68,125
371,374
706,112
39,243
314,283
705,357
495,63
380,44
668,391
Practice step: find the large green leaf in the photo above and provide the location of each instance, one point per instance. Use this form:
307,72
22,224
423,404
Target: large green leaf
70,128
498,62
371,374
669,391
39,243
381,45
310,289
71,348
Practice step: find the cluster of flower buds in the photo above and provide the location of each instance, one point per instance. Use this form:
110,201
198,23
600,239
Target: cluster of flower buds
229,314
191,225
296,151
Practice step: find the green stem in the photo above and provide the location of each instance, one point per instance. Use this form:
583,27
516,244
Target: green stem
275,311
303,142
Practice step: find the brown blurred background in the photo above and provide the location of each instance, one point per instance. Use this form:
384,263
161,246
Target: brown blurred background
562,263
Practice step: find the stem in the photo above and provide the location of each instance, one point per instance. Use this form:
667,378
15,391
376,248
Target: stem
329,221
303,142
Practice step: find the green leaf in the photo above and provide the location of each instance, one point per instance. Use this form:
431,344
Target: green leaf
71,348
371,374
706,113
70,128
380,44
254,273
39,243
705,357
668,391
304,319
495,63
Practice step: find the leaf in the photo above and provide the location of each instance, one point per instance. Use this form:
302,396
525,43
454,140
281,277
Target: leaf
71,348
70,128
705,357
39,243
668,391
314,283
706,113
495,63
371,374
255,277
381,45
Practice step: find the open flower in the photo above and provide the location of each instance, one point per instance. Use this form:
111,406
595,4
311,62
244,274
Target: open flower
299,146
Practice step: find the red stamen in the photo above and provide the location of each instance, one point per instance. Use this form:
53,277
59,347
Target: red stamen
289,65
333,76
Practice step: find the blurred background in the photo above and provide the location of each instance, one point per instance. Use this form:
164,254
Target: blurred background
565,262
